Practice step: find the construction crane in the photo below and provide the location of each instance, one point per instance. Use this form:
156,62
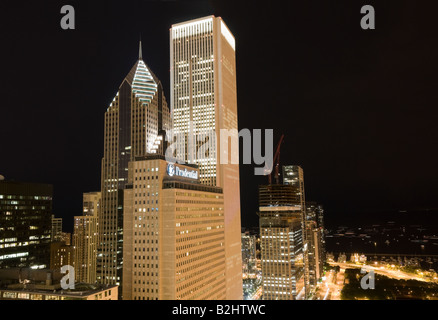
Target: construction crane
276,162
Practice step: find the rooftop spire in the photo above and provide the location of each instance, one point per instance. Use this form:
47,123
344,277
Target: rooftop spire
140,57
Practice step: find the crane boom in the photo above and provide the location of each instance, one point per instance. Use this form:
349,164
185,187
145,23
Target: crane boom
276,162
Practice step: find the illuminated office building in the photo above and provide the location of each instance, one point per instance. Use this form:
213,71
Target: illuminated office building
316,241
65,237
133,124
25,224
56,229
85,238
312,253
204,102
281,243
294,175
174,237
315,253
61,255
91,203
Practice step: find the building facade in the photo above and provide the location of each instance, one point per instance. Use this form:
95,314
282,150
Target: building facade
56,229
133,123
61,255
316,241
204,105
91,203
282,252
174,241
294,175
85,239
65,237
25,224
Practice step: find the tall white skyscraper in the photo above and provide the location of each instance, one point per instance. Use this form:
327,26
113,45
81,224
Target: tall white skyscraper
204,101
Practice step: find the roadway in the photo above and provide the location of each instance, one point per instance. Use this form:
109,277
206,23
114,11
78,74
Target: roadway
331,287
395,274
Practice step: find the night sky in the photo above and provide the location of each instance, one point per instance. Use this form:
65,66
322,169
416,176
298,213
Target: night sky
358,107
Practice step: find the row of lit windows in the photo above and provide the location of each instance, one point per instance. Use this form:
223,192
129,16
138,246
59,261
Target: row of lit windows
196,251
184,238
200,202
193,223
194,216
139,186
198,209
2,196
189,245
200,195
35,209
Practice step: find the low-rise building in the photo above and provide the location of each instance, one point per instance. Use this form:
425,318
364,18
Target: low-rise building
45,284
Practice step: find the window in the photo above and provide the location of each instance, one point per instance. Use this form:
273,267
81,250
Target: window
9,295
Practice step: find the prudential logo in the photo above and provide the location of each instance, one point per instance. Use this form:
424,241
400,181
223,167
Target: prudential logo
171,169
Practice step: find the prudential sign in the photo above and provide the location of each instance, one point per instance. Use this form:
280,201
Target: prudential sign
174,170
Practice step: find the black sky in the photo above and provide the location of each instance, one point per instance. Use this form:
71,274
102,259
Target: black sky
358,108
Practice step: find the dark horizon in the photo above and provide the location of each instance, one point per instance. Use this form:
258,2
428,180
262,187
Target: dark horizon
357,107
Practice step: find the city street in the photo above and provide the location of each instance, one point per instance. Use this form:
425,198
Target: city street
330,288
395,274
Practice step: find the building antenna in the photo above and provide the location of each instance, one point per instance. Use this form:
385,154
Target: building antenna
140,56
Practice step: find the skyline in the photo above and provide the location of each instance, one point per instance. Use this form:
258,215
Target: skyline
377,141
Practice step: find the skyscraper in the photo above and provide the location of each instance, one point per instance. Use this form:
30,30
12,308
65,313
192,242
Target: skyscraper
173,234
294,175
85,238
316,241
56,228
25,224
133,123
204,102
282,258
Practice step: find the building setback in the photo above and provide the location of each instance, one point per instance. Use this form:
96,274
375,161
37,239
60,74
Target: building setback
25,224
174,241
